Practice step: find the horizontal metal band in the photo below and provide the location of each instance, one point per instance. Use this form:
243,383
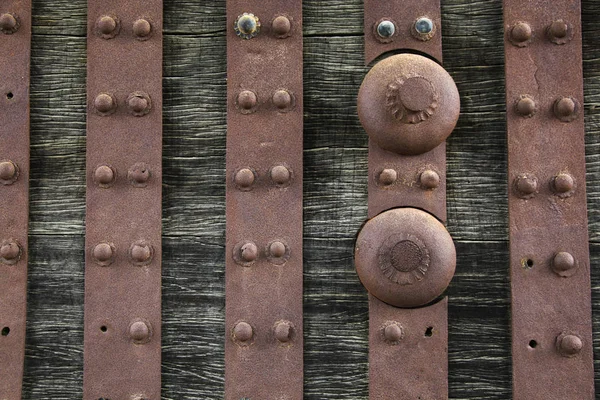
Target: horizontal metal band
122,334
264,331
550,269
15,47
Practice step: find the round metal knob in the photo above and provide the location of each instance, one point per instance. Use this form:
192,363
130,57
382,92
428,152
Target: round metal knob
405,257
408,104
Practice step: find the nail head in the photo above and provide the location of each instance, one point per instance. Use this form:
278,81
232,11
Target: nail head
429,179
388,177
242,331
244,178
281,26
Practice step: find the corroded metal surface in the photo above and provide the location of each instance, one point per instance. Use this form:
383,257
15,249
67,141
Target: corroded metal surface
15,47
550,269
264,335
408,351
122,333
408,104
405,257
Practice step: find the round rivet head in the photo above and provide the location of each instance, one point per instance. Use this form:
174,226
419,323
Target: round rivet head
408,104
9,172
569,345
277,249
387,177
247,26
566,109
139,104
105,104
405,257
560,32
244,179
8,23
245,253
429,179
393,332
423,29
139,175
283,331
526,186
142,29
103,253
520,34
526,106
140,331
10,252
104,176
107,26
283,100
385,30
281,26
242,332
564,264
247,101
280,175
141,253
563,184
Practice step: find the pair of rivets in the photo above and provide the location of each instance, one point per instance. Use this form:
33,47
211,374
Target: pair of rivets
526,185
422,29
138,104
10,252
558,32
138,175
246,253
428,179
9,172
243,333
247,101
140,253
247,26
565,109
9,23
108,27
245,178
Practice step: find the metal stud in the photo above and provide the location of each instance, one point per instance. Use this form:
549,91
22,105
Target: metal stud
9,172
244,179
140,331
385,30
560,32
566,109
245,253
429,179
526,106
280,175
247,26
139,175
104,254
283,331
278,252
141,253
242,333
569,345
10,252
393,332
563,184
108,26
142,29
105,104
139,104
387,177
9,23
247,101
423,29
526,186
564,264
281,26
284,100
104,176
520,34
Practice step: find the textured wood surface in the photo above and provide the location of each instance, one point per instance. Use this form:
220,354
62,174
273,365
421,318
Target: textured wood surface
335,200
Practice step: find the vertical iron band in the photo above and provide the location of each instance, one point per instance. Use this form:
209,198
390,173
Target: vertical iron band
15,47
264,327
552,347
122,332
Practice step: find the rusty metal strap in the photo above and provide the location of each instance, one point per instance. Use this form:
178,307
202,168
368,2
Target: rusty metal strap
264,335
15,47
550,269
122,333
408,105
